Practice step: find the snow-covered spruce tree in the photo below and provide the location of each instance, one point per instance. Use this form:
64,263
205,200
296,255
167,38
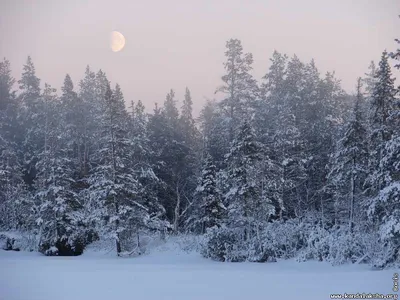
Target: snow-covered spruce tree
171,153
177,163
191,139
143,165
91,115
383,181
312,126
385,206
210,210
187,123
396,55
158,138
274,106
288,143
369,82
58,204
30,118
381,130
102,84
73,119
280,134
245,194
215,135
316,113
114,186
14,209
349,167
248,202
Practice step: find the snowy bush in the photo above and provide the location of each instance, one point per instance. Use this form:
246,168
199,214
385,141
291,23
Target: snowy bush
190,242
284,239
347,247
384,248
223,244
24,241
317,245
7,242
71,243
301,239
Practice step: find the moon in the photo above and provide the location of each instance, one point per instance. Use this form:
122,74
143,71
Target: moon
117,41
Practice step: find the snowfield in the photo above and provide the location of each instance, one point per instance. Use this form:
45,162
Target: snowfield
176,275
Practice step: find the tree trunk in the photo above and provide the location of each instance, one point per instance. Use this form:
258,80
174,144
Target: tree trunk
162,233
138,241
117,240
322,211
352,199
177,208
118,244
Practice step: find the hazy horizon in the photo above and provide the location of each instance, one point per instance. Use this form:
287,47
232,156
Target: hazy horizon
178,43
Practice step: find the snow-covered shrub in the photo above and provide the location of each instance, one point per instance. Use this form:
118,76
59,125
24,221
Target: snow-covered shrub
259,251
303,239
284,239
224,244
317,245
62,247
7,242
68,243
384,247
24,241
52,251
336,245
346,247
190,242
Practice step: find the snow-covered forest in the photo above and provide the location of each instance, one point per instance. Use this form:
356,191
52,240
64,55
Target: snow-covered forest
288,166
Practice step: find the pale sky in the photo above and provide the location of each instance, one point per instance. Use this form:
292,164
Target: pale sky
179,43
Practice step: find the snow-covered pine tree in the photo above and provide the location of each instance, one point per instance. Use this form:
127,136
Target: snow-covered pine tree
114,186
349,166
210,210
239,86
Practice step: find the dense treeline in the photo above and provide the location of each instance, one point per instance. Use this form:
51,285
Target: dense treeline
287,166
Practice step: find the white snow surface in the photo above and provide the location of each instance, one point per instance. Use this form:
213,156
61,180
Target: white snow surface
170,273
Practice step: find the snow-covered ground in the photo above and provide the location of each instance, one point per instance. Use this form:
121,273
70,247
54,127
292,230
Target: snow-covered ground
168,273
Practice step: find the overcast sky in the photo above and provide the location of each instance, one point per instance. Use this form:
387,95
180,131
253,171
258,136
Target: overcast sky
179,43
